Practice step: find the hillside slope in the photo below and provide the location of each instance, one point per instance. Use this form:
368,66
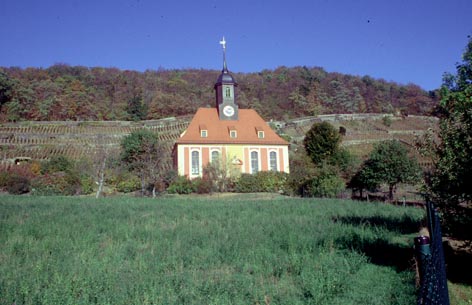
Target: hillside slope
42,140
63,93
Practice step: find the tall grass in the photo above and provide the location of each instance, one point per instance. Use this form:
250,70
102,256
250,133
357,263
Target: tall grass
67,250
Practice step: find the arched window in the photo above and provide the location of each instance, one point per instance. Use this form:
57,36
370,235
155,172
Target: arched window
273,161
254,162
195,162
215,157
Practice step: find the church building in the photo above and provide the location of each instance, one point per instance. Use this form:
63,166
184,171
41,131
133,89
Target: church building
238,139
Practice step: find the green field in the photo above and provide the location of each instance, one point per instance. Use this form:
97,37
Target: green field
187,250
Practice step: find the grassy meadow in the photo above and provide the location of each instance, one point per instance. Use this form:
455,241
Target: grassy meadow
212,250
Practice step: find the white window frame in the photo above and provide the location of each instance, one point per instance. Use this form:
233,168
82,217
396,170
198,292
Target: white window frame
211,155
260,134
199,169
276,160
251,168
204,133
233,134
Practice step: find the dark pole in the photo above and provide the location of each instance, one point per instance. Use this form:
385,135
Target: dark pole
423,254
429,216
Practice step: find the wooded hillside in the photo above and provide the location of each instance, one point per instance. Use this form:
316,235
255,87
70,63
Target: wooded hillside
63,92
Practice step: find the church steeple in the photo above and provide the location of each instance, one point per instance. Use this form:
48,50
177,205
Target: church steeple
225,94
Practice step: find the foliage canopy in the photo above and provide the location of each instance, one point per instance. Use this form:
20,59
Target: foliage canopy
322,142
388,163
145,155
451,182
136,109
5,88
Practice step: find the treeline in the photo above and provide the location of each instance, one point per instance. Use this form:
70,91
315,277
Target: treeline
63,92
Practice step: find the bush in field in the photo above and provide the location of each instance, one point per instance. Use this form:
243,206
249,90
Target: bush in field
168,177
247,183
387,121
181,185
86,184
58,183
35,168
265,181
203,185
57,164
43,186
222,175
18,185
3,179
61,176
22,170
326,183
216,174
272,181
128,183
17,178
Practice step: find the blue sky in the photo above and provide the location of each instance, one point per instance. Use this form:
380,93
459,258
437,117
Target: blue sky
406,41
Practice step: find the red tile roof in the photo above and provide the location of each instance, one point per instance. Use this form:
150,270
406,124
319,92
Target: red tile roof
218,130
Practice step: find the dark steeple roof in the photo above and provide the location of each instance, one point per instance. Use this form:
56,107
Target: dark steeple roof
225,76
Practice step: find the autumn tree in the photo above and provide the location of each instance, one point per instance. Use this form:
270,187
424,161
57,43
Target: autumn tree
63,92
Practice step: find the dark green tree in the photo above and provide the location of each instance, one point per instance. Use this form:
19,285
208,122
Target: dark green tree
363,180
5,88
331,164
146,156
326,182
136,109
451,182
388,164
322,142
301,170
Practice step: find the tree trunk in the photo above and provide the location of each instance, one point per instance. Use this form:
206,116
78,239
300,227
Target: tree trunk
100,184
143,185
154,191
390,192
101,180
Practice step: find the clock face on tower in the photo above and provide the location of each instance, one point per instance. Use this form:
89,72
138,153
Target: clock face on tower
228,111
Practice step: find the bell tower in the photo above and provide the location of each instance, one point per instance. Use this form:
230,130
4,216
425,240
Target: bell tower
225,93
